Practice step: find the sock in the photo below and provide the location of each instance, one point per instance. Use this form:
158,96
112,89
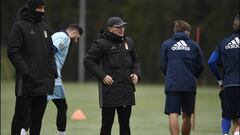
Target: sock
226,125
23,132
236,133
61,132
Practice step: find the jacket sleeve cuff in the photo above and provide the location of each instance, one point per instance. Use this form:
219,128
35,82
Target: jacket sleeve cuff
138,74
101,75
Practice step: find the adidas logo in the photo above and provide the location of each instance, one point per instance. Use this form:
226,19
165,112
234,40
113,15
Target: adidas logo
233,44
181,45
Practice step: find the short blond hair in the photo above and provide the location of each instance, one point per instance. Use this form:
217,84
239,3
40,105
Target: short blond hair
181,26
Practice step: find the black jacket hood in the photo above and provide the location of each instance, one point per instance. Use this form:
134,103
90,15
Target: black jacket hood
23,13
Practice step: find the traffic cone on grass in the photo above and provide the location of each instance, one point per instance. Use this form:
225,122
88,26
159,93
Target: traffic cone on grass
78,115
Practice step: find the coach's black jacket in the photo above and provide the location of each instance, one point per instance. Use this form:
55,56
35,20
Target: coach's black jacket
31,53
115,56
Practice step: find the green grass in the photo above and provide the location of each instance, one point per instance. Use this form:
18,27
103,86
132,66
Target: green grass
147,116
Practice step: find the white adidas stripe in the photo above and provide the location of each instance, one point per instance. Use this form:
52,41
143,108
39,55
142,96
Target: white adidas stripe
178,44
233,42
183,42
237,40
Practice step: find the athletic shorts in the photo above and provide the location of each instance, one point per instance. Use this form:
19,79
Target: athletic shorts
58,93
231,102
221,95
182,101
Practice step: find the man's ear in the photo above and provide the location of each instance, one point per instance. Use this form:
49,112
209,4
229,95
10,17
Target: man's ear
187,32
75,32
109,29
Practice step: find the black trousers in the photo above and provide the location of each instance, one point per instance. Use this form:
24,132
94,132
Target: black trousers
30,107
61,121
124,114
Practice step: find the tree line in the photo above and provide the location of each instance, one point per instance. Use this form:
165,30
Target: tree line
150,22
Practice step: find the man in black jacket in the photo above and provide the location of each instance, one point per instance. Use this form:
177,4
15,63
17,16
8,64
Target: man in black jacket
31,53
113,60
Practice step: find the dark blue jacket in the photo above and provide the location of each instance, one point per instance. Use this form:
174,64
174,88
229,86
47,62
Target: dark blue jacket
181,63
227,56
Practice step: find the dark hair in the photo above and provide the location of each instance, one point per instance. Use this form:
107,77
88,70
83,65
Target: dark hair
181,26
77,27
236,22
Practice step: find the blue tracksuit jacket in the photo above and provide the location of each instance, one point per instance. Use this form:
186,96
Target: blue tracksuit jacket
181,62
227,56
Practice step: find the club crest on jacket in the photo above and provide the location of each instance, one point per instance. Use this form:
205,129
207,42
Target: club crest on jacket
126,46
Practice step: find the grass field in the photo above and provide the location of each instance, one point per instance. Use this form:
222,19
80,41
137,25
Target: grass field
147,117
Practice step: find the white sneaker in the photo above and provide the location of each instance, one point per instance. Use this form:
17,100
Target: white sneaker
61,132
23,132
236,133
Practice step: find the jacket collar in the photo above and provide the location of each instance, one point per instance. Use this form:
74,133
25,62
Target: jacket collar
105,34
237,31
180,35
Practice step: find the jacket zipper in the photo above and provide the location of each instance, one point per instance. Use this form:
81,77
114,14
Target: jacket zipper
122,61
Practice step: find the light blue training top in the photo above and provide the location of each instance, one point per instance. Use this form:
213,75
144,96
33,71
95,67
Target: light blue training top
61,41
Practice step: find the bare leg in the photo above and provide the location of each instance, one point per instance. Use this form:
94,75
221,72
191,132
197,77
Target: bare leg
186,124
173,123
236,128
234,125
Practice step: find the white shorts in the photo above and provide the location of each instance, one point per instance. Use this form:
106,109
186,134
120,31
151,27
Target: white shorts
58,93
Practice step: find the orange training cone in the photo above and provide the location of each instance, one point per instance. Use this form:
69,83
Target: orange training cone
78,115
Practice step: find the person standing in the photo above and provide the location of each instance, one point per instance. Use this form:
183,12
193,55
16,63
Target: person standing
62,41
31,53
113,60
227,56
181,63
